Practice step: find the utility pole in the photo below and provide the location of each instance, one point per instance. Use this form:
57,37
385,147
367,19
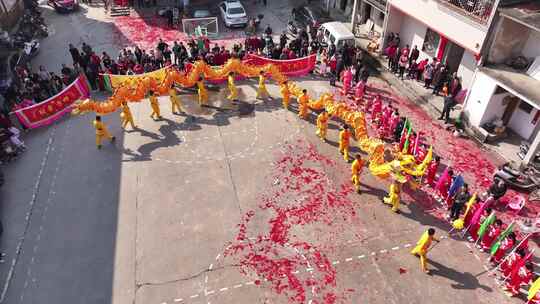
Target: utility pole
353,14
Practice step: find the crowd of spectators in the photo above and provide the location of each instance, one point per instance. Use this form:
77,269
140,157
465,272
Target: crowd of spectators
36,86
436,75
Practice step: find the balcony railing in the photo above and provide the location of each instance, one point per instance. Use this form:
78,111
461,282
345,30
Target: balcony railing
478,10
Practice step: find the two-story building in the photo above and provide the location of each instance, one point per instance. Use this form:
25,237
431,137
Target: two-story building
452,31
505,90
369,13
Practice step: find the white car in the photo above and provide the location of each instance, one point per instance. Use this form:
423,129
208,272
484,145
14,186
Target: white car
233,13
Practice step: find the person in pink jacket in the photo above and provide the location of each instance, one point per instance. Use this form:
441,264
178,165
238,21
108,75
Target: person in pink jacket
347,80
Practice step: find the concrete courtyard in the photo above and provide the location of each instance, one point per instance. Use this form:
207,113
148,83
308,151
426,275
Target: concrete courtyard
155,217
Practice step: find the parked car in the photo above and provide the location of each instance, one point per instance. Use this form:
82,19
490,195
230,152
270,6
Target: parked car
307,15
64,6
336,33
233,13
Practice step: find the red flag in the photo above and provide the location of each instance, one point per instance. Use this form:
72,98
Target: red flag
520,264
524,243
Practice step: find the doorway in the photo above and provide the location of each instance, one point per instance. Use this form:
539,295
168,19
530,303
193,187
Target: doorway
511,105
343,5
453,54
367,13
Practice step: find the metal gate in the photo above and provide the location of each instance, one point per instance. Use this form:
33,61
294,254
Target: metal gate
201,27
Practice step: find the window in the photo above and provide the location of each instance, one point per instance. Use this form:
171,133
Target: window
525,107
235,11
431,42
350,42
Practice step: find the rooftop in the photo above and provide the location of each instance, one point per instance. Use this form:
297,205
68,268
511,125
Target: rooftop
524,12
521,83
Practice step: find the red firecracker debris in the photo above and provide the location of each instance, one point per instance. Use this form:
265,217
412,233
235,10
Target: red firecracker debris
304,196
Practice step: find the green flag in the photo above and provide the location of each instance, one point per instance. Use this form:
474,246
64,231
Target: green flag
107,82
501,237
406,127
407,140
483,228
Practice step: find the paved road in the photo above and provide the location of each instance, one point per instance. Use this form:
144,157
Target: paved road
143,220
147,220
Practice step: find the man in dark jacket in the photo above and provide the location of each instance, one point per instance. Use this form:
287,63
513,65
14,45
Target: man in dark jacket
449,104
399,129
460,199
455,86
415,53
440,79
75,55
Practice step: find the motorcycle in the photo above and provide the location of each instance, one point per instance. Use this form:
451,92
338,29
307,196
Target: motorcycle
30,50
5,40
64,6
42,31
523,180
20,39
292,28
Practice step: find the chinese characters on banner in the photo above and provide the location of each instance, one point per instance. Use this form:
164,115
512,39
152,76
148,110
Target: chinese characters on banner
50,110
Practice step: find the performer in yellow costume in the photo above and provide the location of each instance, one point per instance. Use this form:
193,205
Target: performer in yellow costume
393,197
322,124
201,90
232,88
356,170
156,114
126,117
285,94
262,91
101,131
422,247
303,101
176,105
344,139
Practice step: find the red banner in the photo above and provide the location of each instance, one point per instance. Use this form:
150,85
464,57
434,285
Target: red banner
50,110
293,67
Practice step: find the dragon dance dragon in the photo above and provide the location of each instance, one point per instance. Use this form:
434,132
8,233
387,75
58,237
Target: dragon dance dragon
401,168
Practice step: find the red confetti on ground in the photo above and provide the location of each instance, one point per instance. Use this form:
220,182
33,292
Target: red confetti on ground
146,30
402,270
304,196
